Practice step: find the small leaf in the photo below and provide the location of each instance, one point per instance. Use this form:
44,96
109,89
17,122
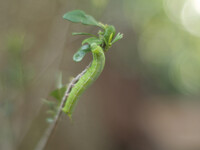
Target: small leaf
110,38
51,112
59,93
82,33
79,16
49,120
78,56
92,40
49,103
52,105
59,80
118,37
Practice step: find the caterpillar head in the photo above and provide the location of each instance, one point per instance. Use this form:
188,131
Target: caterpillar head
95,48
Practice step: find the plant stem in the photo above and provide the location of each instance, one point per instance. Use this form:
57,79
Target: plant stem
50,130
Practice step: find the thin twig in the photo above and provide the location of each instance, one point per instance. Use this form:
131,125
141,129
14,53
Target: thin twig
50,130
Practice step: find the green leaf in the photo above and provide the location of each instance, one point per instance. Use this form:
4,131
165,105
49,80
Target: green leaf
118,37
78,56
59,93
49,120
52,105
51,112
79,16
82,33
92,40
59,80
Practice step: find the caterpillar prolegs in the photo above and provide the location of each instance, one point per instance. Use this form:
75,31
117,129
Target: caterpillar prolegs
86,79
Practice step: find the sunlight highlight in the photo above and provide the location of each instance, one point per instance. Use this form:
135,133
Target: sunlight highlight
191,17
196,5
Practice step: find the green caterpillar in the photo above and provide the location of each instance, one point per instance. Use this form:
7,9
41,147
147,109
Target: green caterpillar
86,80
96,45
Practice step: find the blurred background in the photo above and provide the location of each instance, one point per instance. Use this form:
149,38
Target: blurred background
147,98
